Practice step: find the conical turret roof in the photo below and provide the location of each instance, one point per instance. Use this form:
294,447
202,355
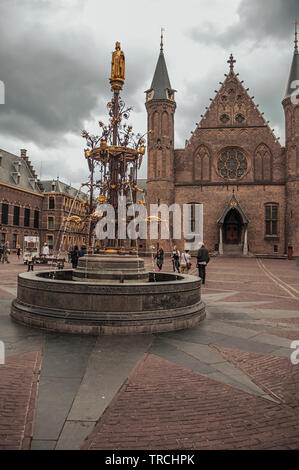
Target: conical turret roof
294,72
161,87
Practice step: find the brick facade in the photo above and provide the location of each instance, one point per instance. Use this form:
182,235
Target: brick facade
231,151
26,210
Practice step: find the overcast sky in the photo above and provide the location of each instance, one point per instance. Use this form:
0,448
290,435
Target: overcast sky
55,60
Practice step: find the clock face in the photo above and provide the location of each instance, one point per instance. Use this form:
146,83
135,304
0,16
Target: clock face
232,164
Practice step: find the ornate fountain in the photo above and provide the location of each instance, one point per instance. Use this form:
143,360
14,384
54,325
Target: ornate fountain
110,292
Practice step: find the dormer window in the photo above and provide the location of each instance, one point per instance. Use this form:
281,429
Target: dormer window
149,95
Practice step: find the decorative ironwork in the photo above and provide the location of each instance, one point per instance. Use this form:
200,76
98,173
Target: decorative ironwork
116,154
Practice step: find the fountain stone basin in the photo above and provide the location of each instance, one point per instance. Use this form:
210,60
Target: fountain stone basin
110,268
165,302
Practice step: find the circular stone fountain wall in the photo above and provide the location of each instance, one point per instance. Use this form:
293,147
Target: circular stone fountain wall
165,302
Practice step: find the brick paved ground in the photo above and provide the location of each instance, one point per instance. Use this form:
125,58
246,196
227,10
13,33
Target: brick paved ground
226,383
165,406
18,393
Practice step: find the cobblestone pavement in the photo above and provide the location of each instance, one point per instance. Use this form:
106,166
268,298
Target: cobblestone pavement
227,383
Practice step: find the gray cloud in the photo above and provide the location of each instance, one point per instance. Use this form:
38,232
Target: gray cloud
259,21
56,76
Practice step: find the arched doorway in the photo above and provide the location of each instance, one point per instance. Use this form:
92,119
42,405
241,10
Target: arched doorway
232,228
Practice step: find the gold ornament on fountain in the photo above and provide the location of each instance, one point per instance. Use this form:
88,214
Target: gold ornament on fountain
102,199
117,69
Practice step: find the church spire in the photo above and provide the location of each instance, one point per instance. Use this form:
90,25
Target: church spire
294,71
160,88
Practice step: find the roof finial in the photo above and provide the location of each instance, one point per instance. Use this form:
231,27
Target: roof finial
161,43
231,62
296,40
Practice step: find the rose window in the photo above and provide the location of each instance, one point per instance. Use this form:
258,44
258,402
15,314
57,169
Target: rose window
232,164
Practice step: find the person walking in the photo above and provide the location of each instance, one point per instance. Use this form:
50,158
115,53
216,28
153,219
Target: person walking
18,251
202,260
5,253
185,262
160,258
1,252
175,258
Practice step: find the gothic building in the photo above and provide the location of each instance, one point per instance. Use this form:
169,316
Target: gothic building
233,164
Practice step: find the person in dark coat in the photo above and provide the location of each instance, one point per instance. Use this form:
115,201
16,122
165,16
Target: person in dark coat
160,258
202,260
74,256
83,251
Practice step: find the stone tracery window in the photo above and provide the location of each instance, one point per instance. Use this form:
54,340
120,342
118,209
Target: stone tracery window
224,118
232,164
240,118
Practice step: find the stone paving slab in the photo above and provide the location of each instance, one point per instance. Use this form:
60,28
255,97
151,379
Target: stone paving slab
55,399
73,434
109,365
42,445
18,392
223,370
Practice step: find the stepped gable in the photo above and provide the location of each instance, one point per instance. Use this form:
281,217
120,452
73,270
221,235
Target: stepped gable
232,107
18,171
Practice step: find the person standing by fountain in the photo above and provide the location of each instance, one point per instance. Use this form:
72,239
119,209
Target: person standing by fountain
185,262
45,250
74,256
175,257
159,256
202,260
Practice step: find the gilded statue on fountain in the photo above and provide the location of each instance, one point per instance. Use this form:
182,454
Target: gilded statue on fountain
117,68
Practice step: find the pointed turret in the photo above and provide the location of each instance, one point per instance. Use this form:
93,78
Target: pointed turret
160,106
294,72
291,109
160,88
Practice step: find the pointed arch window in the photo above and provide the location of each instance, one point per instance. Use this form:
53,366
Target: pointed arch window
165,123
202,164
262,163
